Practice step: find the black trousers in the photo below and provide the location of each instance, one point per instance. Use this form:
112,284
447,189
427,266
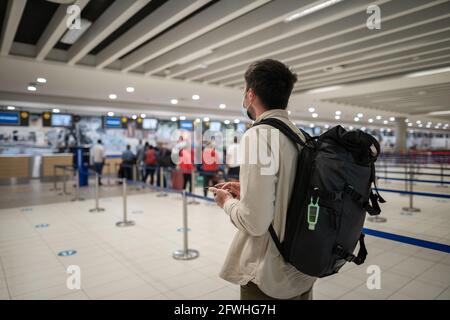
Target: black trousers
149,172
187,177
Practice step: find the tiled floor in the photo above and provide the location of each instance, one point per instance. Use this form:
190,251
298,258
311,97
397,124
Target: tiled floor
137,263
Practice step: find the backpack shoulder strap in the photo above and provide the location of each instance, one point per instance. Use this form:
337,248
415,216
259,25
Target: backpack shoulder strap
284,128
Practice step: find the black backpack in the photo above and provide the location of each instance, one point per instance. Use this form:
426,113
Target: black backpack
330,198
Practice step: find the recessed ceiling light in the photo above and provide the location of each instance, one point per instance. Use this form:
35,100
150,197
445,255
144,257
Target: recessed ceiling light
113,96
41,80
385,122
392,119
410,124
418,122
351,128
370,120
134,117
236,121
227,122
222,106
110,114
11,108
363,129
326,126
56,111
337,117
356,119
378,117
205,119
174,101
130,89
338,113
406,120
143,115
31,88
195,97
182,118
173,119
315,115
311,125
311,109
198,120
360,115
420,125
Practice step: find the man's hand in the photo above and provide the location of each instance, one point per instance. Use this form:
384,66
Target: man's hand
221,196
233,187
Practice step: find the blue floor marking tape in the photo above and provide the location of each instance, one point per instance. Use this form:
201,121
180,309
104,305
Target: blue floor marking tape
415,180
424,194
404,239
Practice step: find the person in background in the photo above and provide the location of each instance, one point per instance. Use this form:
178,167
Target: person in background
209,167
98,159
165,162
186,166
150,164
233,160
128,160
140,154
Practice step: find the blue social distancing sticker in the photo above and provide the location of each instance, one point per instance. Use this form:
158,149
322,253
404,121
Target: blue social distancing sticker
42,225
67,253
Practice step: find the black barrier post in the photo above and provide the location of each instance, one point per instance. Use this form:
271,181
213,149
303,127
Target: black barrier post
97,208
386,181
125,222
185,253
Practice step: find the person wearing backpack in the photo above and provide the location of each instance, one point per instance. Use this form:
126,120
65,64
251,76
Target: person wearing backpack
259,200
305,219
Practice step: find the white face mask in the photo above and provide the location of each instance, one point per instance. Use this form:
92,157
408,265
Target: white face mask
245,112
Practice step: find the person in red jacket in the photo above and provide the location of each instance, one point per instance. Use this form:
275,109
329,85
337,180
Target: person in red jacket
150,164
186,166
210,166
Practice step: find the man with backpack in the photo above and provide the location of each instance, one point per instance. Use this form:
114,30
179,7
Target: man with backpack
260,200
304,219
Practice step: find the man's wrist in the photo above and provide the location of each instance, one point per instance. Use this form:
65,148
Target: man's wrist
229,204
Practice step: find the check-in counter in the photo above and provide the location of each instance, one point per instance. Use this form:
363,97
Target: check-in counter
49,162
14,166
114,163
33,166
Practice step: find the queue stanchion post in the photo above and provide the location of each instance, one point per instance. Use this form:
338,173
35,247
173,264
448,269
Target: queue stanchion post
97,208
442,185
125,222
185,253
161,183
193,200
55,178
386,181
64,190
411,209
77,187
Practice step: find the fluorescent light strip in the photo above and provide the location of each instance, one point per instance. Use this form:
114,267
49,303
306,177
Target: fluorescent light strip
315,8
428,72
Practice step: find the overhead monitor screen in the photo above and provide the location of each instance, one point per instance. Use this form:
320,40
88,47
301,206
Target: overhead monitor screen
150,124
61,120
112,122
9,118
186,125
215,126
